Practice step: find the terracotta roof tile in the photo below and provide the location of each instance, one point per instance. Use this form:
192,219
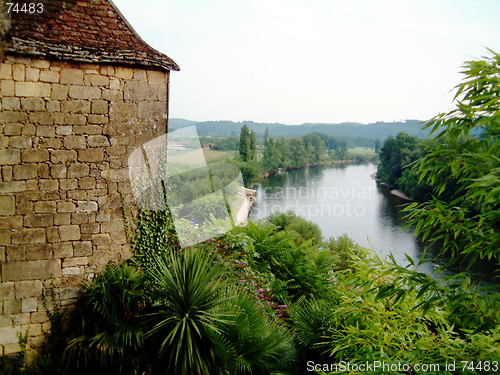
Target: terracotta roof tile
84,31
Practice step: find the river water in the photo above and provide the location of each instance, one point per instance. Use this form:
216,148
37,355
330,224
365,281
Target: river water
345,199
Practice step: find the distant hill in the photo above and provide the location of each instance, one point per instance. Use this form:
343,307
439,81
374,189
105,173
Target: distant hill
347,130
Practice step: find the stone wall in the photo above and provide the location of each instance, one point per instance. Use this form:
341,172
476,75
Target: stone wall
66,131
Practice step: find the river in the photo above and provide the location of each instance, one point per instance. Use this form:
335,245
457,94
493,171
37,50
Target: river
343,198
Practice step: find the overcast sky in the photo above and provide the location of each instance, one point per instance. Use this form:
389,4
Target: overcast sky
330,61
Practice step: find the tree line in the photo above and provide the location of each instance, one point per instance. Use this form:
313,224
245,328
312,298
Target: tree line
284,153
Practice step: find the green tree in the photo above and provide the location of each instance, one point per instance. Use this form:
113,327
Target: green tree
253,147
468,152
245,143
266,135
377,146
317,148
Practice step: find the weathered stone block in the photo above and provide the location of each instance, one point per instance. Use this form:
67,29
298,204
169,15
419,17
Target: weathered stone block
41,64
7,291
75,106
62,218
49,76
29,129
39,251
75,142
38,220
71,119
68,184
5,237
12,306
136,91
20,141
7,88
5,71
116,174
79,218
11,104
112,226
29,305
152,111
107,70
97,141
70,76
63,249
90,228
64,130
74,262
71,271
87,206
69,232
28,288
97,119
58,171
113,95
87,183
8,335
12,129
82,249
15,252
42,118
7,205
48,185
59,92
18,72
25,171
32,74
12,186
156,77
101,239
24,208
100,107
31,270
53,106
70,293
39,317
77,170
84,92
90,129
44,207
115,150
29,236
35,155
11,222
96,80
12,116
32,89
20,319
125,73
33,104
91,155
53,143
66,207
63,156
7,173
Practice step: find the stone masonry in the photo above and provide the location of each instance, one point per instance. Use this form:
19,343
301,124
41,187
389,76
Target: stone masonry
66,131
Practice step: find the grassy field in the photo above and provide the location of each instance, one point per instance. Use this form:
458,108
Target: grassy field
195,157
362,151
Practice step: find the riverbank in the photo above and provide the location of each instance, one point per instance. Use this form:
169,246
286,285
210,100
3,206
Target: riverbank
395,192
332,162
246,206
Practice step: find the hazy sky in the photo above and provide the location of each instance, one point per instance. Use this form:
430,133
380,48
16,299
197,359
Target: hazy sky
296,61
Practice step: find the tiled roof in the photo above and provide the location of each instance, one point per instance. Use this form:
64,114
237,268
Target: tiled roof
92,31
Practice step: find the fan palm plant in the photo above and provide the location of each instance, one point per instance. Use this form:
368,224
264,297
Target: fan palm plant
191,305
107,330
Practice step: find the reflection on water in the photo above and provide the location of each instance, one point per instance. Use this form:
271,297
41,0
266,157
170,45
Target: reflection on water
345,199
